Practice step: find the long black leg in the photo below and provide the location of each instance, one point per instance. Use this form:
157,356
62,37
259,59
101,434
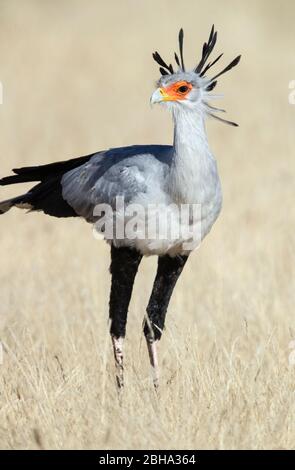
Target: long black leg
169,270
124,266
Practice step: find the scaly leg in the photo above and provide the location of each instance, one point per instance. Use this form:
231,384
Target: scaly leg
153,355
118,354
169,270
124,266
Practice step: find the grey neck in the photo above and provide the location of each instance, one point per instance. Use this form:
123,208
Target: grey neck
191,159
189,134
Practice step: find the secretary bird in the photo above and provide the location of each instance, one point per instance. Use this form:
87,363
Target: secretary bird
160,175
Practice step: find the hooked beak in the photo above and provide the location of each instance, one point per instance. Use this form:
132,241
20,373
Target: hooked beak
159,95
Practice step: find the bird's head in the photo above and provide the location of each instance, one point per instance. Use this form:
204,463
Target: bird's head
190,89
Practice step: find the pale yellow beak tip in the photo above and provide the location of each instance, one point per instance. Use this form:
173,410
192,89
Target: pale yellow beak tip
158,96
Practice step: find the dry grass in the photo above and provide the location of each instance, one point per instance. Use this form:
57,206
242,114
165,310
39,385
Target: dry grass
77,77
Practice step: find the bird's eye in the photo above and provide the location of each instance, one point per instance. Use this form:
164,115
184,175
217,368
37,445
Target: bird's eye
182,89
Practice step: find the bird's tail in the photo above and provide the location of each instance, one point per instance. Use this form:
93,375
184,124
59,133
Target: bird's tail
47,195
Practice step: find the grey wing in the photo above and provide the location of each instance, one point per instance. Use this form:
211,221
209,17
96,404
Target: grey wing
117,172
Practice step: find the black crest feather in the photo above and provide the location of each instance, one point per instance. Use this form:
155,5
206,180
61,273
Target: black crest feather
180,40
201,69
166,69
208,66
211,86
161,62
230,123
207,49
229,67
176,59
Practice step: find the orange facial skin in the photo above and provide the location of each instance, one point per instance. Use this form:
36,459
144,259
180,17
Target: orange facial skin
176,92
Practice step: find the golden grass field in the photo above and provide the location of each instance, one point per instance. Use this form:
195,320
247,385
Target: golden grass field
77,77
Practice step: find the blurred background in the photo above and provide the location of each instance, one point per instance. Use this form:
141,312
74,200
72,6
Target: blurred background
77,77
